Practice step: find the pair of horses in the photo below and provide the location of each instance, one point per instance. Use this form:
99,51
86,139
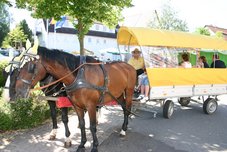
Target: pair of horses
9,90
87,87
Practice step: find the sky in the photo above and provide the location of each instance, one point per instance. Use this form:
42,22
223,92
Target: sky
196,13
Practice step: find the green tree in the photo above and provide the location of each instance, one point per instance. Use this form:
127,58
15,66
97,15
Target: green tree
6,2
86,12
167,19
27,31
219,34
4,22
15,38
202,31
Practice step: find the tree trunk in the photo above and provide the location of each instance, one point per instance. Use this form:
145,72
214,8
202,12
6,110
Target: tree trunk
81,40
81,37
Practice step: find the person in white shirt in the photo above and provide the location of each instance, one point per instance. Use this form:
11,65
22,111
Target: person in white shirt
185,63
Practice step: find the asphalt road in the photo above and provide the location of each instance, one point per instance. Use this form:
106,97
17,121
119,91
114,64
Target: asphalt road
189,130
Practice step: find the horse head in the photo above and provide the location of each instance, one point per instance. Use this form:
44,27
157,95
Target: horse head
28,76
12,70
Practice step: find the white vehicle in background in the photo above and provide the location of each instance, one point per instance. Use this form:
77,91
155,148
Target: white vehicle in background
8,54
112,54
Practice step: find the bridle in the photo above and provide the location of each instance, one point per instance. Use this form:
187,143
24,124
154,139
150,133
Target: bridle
29,82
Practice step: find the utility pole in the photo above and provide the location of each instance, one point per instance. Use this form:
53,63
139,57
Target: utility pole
156,13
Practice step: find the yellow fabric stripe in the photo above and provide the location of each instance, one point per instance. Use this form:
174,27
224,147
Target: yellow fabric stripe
186,76
155,37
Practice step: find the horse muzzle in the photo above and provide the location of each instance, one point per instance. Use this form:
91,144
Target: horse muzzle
5,94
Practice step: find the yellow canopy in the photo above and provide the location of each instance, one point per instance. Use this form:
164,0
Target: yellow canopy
154,37
186,76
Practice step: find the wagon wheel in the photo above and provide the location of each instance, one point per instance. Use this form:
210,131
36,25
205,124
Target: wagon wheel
184,101
210,106
168,109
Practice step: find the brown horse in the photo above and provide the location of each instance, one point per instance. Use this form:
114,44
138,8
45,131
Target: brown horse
90,86
49,91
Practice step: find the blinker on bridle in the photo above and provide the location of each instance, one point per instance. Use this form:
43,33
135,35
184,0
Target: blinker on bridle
33,71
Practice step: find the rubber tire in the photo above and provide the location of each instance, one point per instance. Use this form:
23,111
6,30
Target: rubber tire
208,104
184,101
168,109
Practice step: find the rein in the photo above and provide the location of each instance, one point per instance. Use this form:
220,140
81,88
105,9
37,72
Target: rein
52,83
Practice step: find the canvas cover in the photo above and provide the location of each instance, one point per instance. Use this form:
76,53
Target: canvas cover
162,68
155,37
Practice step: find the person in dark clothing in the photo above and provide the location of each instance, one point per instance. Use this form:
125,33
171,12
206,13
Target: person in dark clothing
217,63
203,62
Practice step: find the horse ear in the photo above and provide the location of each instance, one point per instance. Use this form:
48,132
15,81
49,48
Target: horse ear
31,68
28,44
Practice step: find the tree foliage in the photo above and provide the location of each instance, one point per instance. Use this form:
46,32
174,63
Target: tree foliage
85,11
4,22
219,34
15,38
7,2
27,31
167,19
202,31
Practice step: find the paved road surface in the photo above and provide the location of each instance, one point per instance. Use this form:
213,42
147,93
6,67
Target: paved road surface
189,130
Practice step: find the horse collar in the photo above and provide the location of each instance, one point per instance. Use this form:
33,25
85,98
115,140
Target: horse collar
80,82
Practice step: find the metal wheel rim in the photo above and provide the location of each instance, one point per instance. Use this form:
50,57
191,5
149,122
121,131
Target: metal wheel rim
211,107
170,110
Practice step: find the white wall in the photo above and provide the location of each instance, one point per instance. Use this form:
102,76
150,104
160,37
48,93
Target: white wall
69,42
95,44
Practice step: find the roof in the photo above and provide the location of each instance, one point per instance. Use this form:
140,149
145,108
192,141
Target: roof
215,29
155,37
67,30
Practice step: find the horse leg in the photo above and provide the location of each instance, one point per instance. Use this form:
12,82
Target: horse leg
126,106
92,115
80,113
98,114
64,117
54,120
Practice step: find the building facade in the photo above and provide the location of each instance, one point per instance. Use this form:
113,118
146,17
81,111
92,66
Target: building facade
99,37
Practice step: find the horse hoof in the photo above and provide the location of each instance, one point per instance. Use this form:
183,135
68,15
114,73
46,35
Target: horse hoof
52,137
94,150
80,149
122,133
68,144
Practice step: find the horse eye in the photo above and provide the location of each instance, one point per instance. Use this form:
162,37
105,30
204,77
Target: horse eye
31,68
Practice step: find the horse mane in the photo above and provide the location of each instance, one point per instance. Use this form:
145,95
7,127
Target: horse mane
66,59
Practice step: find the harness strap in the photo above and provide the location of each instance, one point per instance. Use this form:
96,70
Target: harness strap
25,81
80,82
103,92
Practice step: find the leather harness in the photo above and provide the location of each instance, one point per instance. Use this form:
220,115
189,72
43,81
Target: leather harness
80,81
